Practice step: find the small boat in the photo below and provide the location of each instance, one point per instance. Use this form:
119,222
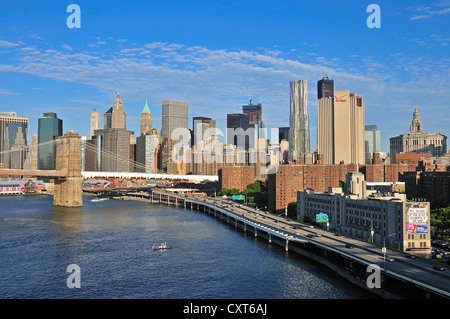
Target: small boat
162,246
99,199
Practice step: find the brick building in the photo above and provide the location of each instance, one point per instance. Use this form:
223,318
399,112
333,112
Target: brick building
236,176
290,178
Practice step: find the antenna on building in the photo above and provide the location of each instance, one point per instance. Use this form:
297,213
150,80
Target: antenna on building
260,99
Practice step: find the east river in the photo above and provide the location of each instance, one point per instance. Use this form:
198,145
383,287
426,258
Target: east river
111,243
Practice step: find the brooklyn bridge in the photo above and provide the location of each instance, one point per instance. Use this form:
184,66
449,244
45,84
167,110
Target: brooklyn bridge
68,175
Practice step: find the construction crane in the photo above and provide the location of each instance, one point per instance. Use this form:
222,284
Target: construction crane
249,97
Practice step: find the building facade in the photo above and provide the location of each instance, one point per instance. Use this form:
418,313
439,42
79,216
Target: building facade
340,128
49,127
95,122
146,120
175,115
299,137
12,129
417,141
236,176
383,220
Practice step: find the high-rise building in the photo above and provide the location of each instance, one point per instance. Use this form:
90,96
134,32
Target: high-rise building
372,135
114,141
146,119
298,119
340,128
204,128
325,87
95,122
175,115
239,131
372,138
49,127
283,134
147,147
115,117
9,128
254,112
417,141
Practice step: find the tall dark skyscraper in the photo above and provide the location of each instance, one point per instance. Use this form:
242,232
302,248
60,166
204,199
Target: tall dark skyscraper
254,112
49,127
239,131
325,87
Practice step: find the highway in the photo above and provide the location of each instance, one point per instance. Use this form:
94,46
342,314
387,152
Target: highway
418,269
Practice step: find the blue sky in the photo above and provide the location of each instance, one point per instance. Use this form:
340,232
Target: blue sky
208,52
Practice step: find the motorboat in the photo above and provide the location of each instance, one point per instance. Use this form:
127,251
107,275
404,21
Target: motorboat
162,246
99,199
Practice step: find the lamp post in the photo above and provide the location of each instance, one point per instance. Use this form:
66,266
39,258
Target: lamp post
384,249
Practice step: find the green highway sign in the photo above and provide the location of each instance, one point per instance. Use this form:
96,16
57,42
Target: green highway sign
321,218
238,197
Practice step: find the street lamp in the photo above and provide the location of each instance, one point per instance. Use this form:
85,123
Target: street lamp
384,249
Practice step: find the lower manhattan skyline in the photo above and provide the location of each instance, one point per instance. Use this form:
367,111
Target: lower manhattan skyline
225,157
208,54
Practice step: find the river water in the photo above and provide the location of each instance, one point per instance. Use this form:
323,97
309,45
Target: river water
111,242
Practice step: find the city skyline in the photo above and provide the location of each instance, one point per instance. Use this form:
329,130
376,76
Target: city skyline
71,71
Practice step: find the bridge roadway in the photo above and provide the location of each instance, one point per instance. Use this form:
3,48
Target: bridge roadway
418,271
33,173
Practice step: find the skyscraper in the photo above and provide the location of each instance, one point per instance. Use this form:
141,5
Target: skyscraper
239,131
9,128
115,117
340,128
175,115
49,127
325,87
372,137
203,128
95,122
298,119
254,112
146,119
113,141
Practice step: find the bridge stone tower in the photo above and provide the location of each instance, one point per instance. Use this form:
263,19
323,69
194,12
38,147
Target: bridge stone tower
68,191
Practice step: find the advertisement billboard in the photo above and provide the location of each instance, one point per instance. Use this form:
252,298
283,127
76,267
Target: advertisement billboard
417,218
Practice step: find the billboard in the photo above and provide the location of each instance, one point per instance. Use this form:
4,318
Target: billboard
417,218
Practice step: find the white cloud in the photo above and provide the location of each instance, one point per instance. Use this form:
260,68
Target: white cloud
215,81
7,44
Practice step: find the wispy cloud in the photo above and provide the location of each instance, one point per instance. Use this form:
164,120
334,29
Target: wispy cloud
431,10
7,44
215,81
7,92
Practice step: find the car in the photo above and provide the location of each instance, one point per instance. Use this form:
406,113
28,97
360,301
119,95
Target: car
348,246
310,226
310,236
317,235
411,256
387,258
337,234
440,268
